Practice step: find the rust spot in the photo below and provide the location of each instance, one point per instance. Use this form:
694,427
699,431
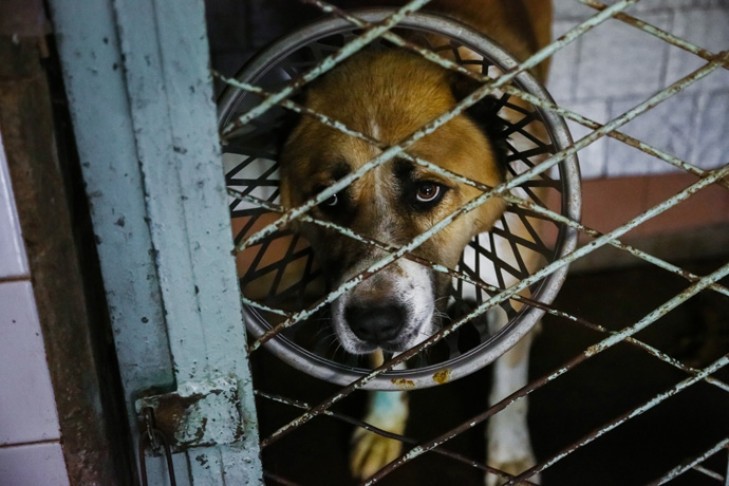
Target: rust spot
442,376
403,383
171,412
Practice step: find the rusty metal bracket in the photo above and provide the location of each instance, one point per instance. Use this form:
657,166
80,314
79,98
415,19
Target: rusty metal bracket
196,414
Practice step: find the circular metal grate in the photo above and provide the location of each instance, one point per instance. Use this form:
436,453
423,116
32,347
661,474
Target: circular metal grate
279,275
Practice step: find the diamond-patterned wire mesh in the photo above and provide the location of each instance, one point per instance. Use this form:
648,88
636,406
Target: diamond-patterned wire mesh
251,172
280,272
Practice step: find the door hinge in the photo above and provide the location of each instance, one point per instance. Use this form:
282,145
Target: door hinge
196,414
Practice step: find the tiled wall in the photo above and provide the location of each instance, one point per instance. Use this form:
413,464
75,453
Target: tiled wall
30,450
614,67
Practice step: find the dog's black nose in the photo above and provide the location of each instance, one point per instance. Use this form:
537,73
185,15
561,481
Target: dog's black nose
375,323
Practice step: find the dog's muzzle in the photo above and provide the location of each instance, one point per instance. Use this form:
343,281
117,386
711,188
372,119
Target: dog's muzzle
393,310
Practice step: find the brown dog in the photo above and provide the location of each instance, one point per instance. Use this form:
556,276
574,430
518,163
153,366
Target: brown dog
388,94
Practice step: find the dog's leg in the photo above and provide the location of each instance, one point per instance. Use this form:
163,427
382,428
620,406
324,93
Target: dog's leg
371,451
386,410
509,448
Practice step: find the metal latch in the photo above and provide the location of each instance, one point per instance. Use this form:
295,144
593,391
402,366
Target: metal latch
196,414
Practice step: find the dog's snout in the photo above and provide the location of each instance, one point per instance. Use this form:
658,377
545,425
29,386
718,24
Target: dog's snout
375,322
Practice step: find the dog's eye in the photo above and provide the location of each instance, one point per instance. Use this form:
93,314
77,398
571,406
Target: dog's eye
428,192
332,201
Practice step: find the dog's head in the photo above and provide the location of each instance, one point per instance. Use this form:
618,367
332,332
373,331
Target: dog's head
388,94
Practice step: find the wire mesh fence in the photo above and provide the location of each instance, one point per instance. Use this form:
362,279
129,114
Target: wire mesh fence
540,193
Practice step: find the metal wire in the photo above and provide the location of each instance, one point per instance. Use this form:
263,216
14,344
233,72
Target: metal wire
682,468
698,283
547,213
592,351
476,202
390,435
457,110
500,190
703,283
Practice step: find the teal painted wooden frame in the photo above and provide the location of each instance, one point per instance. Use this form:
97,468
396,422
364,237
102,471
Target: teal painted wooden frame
140,93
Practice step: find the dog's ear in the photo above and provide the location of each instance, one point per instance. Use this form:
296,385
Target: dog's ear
485,114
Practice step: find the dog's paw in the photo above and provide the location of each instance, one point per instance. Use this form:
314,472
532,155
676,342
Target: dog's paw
514,467
513,457
508,444
370,452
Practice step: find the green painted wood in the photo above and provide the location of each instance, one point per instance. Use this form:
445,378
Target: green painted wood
140,91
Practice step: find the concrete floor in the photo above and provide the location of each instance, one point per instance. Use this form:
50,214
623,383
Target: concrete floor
560,413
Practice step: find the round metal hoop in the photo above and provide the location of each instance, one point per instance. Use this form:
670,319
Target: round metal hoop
273,68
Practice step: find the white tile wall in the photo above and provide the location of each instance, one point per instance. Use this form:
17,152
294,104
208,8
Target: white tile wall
13,262
617,60
30,450
33,465
614,67
663,127
27,405
706,28
713,125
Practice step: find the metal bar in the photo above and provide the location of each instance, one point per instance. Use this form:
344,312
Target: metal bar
708,472
682,468
257,305
398,40
656,353
300,109
593,350
559,218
